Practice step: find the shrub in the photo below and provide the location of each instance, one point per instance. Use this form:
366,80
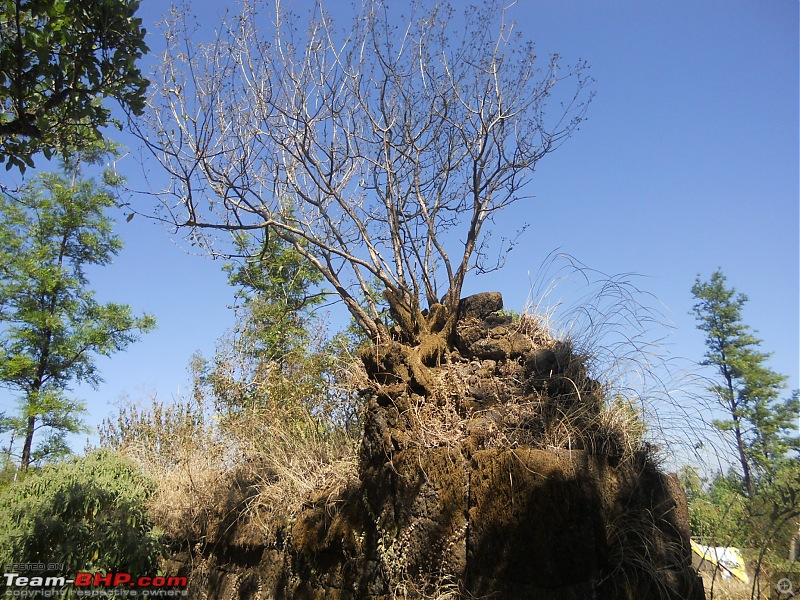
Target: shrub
86,513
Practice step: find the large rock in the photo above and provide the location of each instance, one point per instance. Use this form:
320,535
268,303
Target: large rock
503,483
536,526
500,523
480,306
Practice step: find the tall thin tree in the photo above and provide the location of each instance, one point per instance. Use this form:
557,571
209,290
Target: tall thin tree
762,425
51,326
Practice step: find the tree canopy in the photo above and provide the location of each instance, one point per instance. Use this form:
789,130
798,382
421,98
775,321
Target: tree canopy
378,150
275,284
58,60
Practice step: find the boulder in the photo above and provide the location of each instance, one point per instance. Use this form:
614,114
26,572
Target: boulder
501,483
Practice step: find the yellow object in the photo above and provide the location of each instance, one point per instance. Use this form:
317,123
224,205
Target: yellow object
729,559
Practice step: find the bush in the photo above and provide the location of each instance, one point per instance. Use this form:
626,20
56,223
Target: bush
87,514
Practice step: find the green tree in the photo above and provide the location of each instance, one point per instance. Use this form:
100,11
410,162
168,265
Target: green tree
58,60
719,513
764,527
276,286
757,507
88,513
278,359
51,327
762,424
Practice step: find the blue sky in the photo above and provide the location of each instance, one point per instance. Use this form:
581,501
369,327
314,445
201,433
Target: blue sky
688,162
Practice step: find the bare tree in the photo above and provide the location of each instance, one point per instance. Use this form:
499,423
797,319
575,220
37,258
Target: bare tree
378,152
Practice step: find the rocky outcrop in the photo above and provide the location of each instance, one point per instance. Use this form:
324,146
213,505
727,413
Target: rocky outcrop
503,475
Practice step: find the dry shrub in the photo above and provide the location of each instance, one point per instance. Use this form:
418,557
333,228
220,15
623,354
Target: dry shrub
636,545
616,430
719,588
177,444
621,426
444,588
259,435
293,467
434,424
191,496
258,475
252,471
159,435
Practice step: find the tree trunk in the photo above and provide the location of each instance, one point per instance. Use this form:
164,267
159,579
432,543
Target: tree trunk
737,431
747,477
26,448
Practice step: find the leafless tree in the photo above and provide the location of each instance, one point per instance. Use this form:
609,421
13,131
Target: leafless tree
378,151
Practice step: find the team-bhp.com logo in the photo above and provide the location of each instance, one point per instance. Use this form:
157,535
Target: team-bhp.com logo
95,584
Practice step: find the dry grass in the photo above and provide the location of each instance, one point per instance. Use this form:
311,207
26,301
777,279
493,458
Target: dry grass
581,415
445,588
253,471
254,441
433,424
635,545
616,430
294,468
717,588
620,329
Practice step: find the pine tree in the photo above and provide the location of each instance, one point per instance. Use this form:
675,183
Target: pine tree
760,421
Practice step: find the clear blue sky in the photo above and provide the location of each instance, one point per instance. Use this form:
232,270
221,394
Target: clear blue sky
688,162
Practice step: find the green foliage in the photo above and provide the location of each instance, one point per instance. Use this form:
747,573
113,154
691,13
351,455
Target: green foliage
757,509
355,337
51,327
274,405
761,422
722,514
275,365
275,284
55,416
277,361
777,518
8,471
718,510
58,60
515,315
87,513
306,386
